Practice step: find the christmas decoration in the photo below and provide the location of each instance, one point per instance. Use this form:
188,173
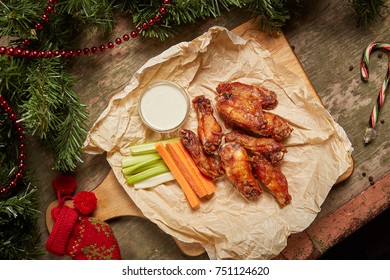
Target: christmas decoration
370,132
77,235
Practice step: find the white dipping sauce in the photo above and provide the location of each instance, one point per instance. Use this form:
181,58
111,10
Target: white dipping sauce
164,106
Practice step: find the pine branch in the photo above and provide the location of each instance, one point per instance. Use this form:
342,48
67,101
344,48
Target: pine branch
19,234
367,11
54,113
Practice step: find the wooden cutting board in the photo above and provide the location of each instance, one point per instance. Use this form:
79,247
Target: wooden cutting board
114,202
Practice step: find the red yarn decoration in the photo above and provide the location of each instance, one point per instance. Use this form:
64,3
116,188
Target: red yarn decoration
85,202
64,185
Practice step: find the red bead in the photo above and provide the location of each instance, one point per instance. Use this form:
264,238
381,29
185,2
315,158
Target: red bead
41,54
19,130
118,41
26,53
133,34
87,51
110,45
144,26
8,109
22,146
21,166
56,53
53,2
79,52
21,138
166,2
10,51
126,37
72,53
151,22
12,184
163,11
38,26
138,30
94,49
49,54
26,42
4,191
19,176
18,51
157,18
12,117
49,9
22,156
3,50
102,48
45,17
4,103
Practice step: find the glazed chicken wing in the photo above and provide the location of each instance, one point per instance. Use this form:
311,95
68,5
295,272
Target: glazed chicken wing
236,164
272,178
207,164
240,112
209,130
268,147
266,97
276,127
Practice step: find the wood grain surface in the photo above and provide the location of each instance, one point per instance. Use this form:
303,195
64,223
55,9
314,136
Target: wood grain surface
328,45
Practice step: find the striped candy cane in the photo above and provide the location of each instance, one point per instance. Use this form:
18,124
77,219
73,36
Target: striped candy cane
370,132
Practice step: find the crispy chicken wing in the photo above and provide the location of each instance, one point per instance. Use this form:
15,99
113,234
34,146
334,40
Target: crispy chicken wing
266,97
236,164
209,165
268,147
240,112
276,127
272,178
209,130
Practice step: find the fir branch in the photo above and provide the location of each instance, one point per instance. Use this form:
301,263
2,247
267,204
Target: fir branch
367,11
274,14
18,17
19,234
54,113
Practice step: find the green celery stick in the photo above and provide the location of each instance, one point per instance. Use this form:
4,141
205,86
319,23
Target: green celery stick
156,170
149,147
137,168
133,160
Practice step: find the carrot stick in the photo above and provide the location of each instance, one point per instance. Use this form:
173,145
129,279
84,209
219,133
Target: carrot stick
186,170
189,193
208,183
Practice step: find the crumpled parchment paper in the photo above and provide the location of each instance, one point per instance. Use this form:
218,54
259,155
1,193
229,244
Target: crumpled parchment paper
228,226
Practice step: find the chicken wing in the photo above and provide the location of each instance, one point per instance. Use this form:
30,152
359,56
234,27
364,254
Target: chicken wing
270,148
276,127
209,165
236,164
240,112
272,178
266,97
209,130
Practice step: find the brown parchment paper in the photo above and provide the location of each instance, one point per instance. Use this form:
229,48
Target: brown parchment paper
227,225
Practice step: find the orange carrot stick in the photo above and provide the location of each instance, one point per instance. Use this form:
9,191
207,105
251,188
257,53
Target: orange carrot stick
186,169
207,182
189,193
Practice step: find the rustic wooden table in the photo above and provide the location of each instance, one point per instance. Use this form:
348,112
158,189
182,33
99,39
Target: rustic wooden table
329,46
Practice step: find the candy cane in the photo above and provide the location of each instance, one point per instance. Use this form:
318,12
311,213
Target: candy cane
370,132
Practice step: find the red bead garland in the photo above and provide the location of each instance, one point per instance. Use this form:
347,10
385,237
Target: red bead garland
6,189
49,9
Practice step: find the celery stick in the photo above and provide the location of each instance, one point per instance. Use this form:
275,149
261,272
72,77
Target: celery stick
155,181
142,166
156,170
132,160
149,147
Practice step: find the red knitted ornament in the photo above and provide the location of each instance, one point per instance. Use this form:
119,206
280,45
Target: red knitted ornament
85,202
82,238
64,185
